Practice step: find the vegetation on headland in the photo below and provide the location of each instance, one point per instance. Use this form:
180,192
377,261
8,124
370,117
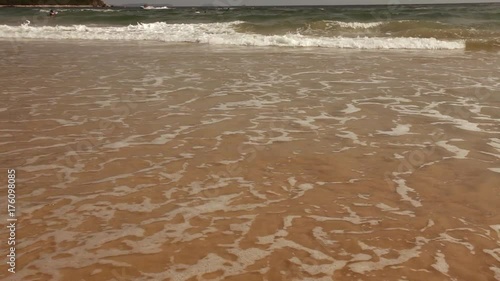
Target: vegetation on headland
20,3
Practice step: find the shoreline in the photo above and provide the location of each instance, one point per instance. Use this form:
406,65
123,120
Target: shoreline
260,6
311,151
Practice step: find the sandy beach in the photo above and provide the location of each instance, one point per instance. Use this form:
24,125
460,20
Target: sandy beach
146,161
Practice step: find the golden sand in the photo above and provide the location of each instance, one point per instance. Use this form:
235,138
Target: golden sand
184,162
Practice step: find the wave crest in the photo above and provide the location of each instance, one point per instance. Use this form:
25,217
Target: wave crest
218,34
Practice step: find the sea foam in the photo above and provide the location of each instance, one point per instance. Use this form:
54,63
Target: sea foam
217,34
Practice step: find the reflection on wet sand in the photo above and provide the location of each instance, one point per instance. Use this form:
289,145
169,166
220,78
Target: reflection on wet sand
154,162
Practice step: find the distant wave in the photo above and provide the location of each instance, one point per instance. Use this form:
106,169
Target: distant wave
220,34
155,8
396,28
97,10
354,25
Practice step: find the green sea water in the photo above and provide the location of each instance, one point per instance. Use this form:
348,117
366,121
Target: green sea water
478,25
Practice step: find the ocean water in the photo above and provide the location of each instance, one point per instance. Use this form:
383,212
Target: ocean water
271,144
473,27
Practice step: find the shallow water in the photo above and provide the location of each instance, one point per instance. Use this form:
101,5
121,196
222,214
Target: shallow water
146,161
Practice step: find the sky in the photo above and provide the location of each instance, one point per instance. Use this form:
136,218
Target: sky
229,3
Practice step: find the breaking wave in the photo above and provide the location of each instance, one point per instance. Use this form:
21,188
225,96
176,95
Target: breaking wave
226,33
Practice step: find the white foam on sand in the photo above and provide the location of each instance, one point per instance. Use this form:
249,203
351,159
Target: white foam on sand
301,189
446,119
396,211
495,253
459,153
441,265
448,238
399,130
327,268
496,228
385,207
382,262
402,189
322,236
495,143
496,271
430,223
352,136
350,109
353,218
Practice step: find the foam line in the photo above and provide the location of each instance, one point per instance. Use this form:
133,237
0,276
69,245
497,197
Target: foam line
217,34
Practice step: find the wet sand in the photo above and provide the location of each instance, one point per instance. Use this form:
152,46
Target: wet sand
146,161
